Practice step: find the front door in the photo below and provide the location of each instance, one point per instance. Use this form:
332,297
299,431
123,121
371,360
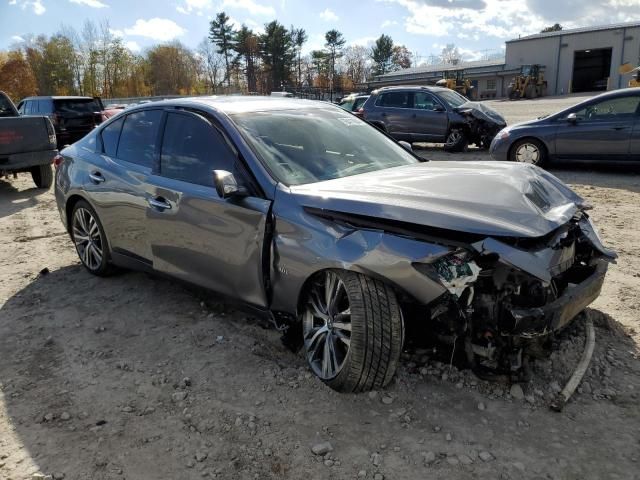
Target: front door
194,234
430,119
600,130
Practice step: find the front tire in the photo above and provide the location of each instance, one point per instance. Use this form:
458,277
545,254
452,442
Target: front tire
42,176
529,150
456,140
353,331
90,240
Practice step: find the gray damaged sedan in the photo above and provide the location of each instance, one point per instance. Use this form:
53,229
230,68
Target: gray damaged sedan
338,233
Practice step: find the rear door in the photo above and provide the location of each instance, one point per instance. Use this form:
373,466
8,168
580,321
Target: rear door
393,109
602,130
117,181
429,118
194,234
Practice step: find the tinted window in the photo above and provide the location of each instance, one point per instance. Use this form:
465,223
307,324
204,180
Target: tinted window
45,106
394,99
613,109
359,102
110,135
84,105
423,101
192,149
138,137
28,105
5,107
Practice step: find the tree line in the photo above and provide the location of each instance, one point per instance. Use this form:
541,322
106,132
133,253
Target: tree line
96,62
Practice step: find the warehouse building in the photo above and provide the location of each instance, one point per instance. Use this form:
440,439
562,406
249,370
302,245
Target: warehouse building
573,61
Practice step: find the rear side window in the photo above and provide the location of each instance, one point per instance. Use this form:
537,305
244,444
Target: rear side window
138,137
87,105
110,135
5,107
44,106
394,99
192,148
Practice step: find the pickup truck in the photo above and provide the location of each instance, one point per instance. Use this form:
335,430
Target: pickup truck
27,144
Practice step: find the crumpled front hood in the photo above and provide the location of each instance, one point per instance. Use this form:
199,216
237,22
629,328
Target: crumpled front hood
488,198
482,112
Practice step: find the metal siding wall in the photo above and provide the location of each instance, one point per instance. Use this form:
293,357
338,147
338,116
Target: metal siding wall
543,51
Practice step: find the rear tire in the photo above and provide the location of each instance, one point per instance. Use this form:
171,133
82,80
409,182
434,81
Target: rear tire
42,176
353,335
456,140
531,91
90,240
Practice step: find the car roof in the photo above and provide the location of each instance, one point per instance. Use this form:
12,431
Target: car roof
410,87
242,104
58,97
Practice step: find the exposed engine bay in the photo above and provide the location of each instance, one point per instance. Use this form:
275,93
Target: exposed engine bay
504,298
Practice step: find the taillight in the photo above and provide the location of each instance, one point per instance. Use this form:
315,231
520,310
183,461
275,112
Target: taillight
51,132
359,112
57,160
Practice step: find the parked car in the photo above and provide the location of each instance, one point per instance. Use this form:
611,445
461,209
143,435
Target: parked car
353,104
332,229
72,117
27,144
605,127
432,114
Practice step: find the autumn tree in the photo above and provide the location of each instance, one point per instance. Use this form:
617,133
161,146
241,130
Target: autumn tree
16,77
212,65
401,57
171,69
356,63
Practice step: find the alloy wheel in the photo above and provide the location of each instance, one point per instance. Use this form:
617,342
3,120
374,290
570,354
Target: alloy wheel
454,137
528,153
86,236
327,326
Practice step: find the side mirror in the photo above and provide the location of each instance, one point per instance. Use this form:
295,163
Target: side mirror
438,108
572,118
226,185
406,145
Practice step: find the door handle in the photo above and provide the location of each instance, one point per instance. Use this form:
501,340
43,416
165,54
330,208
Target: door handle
620,127
96,177
159,203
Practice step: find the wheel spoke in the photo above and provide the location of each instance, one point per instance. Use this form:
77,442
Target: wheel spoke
329,289
316,305
326,359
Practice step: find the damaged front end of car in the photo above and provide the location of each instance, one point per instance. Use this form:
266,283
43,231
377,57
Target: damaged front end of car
481,123
503,296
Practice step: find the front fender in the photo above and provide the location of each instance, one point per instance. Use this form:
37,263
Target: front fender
304,245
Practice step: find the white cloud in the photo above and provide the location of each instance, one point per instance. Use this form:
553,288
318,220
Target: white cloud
328,15
116,32
253,7
363,41
133,46
388,23
36,5
506,19
258,28
195,6
17,38
161,29
90,3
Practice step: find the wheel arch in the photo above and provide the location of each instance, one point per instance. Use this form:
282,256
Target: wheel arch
71,202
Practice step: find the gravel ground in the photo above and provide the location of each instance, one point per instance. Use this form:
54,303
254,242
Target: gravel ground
138,377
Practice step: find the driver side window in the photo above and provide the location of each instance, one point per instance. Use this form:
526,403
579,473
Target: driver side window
613,109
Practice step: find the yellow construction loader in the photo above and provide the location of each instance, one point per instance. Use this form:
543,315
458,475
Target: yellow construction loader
455,80
627,68
529,83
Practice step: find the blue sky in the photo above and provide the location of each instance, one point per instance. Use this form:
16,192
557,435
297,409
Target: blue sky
477,27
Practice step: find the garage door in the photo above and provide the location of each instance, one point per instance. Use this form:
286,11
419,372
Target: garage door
591,69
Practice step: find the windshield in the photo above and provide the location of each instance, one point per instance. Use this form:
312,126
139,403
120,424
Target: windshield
312,145
347,104
454,99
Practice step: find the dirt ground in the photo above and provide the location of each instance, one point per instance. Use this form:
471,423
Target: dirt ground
138,377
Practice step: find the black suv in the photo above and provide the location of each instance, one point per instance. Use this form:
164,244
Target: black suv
72,117
432,114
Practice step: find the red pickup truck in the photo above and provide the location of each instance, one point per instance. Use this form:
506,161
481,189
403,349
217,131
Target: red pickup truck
27,144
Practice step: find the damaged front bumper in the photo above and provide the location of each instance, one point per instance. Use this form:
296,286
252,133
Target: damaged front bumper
530,322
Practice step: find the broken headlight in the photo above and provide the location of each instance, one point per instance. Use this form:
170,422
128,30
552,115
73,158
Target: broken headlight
454,271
